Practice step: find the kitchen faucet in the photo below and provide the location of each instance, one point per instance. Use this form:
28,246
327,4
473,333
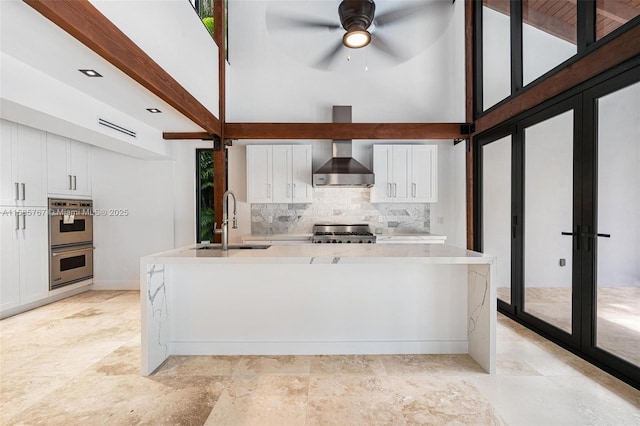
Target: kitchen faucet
225,219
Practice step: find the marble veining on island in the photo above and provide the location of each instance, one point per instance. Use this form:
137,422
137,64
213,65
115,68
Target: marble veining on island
318,299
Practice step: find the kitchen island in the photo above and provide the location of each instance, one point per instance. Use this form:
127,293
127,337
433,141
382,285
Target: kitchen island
318,299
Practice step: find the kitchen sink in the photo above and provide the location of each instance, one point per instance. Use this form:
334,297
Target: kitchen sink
234,247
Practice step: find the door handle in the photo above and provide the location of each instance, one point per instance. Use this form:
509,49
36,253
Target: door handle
74,182
577,234
23,191
17,191
395,190
24,221
17,221
70,183
389,190
413,190
294,191
72,251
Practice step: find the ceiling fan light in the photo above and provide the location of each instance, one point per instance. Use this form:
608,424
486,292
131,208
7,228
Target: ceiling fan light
356,39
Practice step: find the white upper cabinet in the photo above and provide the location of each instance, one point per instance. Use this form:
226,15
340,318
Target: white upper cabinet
424,170
68,167
405,174
279,174
259,174
22,159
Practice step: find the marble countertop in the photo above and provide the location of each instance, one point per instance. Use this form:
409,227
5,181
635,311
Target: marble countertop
277,237
325,254
409,237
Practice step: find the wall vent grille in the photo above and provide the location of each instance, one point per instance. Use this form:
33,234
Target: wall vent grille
117,128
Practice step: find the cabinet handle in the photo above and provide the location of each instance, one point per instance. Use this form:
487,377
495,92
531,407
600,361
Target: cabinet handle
23,191
17,220
395,190
24,221
17,191
294,191
74,182
268,190
389,190
70,182
413,190
289,194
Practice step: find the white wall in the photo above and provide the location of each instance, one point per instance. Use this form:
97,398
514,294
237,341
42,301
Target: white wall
271,81
146,190
171,33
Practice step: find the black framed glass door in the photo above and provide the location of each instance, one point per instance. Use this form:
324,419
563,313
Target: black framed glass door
566,226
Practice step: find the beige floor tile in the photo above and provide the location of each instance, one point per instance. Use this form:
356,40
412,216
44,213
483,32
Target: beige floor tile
279,364
419,365
262,401
198,366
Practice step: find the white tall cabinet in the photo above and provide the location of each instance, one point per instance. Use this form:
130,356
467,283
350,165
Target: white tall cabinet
405,173
68,167
279,174
23,216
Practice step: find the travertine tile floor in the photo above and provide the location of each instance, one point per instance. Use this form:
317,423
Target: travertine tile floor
76,362
618,323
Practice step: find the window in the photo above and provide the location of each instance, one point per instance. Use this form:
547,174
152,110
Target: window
205,218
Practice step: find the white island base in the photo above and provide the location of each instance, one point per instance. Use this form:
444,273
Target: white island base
312,300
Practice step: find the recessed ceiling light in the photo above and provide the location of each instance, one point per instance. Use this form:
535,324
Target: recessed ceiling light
90,73
154,110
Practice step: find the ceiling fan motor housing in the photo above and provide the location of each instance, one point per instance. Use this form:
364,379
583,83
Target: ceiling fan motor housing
356,14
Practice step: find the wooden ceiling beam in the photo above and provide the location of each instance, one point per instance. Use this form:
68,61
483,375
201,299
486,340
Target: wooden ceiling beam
84,22
343,131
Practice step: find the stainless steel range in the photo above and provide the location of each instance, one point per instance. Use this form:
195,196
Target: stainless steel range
348,234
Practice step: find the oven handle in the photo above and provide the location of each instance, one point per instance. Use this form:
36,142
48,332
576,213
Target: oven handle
72,251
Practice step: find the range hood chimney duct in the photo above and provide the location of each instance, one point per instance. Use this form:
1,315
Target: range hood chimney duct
343,170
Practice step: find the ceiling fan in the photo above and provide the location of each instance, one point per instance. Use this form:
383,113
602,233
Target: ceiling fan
362,26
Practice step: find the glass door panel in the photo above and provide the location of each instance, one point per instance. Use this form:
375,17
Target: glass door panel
496,51
549,34
496,210
548,212
618,204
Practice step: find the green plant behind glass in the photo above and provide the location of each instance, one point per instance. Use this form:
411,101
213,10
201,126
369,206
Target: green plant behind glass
207,218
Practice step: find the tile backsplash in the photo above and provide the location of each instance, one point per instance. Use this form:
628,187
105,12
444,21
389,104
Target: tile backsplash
340,205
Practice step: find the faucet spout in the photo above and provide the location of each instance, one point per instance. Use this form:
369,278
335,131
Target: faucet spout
225,218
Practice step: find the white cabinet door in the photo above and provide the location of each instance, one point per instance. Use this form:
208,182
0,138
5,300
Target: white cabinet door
259,174
424,170
8,189
68,167
302,189
34,261
80,168
24,262
282,165
22,179
383,171
9,266
401,175
279,174
30,160
59,180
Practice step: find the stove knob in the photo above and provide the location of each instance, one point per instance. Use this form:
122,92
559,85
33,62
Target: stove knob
340,242
334,241
360,241
349,242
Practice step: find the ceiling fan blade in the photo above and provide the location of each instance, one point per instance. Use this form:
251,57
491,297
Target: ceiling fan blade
288,22
410,11
383,45
326,61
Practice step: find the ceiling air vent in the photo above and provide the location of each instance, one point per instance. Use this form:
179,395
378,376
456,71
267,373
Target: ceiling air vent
117,128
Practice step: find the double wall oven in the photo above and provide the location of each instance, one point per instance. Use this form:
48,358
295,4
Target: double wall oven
70,241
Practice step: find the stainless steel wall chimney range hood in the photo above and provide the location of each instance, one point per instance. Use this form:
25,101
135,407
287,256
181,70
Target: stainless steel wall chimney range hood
343,170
